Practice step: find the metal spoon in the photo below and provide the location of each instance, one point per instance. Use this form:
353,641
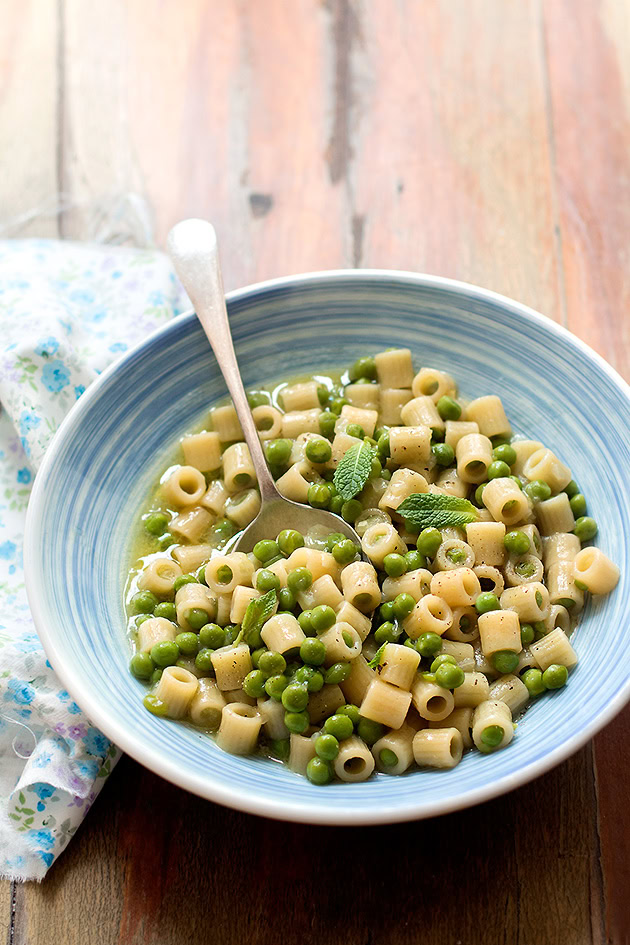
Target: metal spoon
192,246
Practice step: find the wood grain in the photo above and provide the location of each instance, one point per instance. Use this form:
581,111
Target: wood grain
28,118
6,894
156,865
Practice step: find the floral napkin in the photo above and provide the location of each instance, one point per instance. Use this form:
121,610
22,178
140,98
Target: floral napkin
66,311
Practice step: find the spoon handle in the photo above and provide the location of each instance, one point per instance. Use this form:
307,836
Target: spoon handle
192,246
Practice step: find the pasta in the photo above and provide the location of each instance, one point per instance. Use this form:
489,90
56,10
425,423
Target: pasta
427,639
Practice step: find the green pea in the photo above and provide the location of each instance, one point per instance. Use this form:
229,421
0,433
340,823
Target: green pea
504,454
479,493
456,555
578,505
339,725
443,454
327,421
156,675
222,529
296,722
337,673
382,445
492,735
332,539
505,661
336,504
257,654
165,541
156,523
442,660
197,618
278,451
395,565
326,747
299,580
388,758
517,481
322,617
267,581
533,679
428,644
304,620
318,495
318,771
295,697
318,451
516,542
448,676
414,560
286,599
203,660
386,610
272,663
309,677
258,398
572,489
144,602
337,405
351,510
356,430
344,551
188,643
387,632
403,605
312,651
429,540
370,731
448,408
141,666
585,528
275,686
212,636
182,580
289,541
498,470
166,609
527,634
537,490
266,549
280,748
363,367
487,602
555,676
155,705
254,684
165,653
540,628
323,395
352,711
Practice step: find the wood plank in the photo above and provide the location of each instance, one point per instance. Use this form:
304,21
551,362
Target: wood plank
591,130
156,865
28,117
451,167
588,48
6,896
217,110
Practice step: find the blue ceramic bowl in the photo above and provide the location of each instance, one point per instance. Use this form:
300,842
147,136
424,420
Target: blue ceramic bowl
108,452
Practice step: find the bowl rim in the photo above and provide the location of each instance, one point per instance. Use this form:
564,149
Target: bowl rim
282,807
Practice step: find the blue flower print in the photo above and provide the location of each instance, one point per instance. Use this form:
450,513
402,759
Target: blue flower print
95,743
48,858
42,791
55,376
46,347
44,839
7,550
24,475
82,295
19,691
29,420
156,298
118,346
78,390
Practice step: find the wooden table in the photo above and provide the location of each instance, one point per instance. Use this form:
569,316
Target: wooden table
487,140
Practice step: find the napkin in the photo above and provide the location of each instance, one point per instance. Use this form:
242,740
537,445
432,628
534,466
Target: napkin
66,311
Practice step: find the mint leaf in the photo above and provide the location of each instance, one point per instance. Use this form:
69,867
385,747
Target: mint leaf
434,510
376,659
354,470
258,610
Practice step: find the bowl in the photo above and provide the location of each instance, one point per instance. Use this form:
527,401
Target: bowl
112,447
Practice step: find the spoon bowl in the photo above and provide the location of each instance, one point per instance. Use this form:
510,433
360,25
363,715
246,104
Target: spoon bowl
192,246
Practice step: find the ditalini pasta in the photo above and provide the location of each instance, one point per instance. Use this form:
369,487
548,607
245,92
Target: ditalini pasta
425,640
